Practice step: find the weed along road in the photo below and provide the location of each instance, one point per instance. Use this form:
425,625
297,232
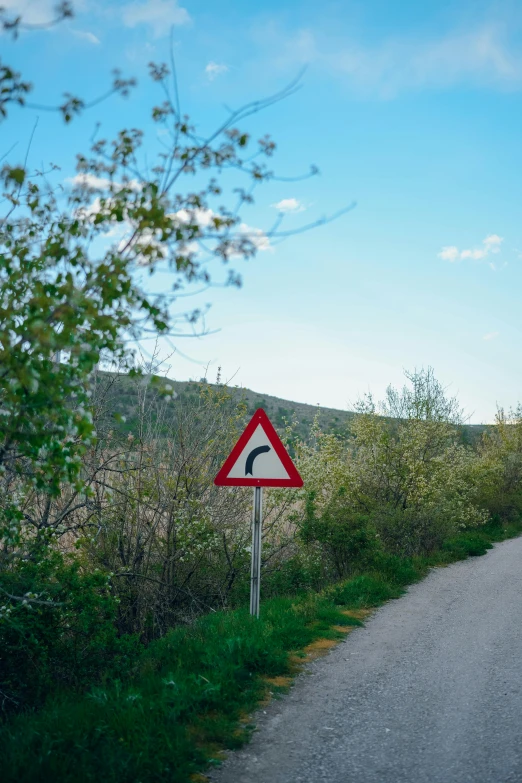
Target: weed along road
429,691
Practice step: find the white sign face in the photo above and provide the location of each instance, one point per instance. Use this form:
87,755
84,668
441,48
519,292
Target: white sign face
258,459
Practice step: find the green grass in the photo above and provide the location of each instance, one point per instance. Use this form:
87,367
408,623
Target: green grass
189,694
193,689
365,591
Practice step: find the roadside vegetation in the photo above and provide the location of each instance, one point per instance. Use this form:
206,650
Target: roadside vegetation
126,649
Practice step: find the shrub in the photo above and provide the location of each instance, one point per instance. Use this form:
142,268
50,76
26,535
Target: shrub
63,636
344,535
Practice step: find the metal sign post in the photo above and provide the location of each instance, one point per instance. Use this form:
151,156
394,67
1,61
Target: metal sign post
259,459
257,532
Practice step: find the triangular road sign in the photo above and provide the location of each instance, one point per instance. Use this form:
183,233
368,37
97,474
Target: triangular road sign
259,459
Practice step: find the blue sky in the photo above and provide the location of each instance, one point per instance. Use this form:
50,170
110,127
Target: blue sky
413,110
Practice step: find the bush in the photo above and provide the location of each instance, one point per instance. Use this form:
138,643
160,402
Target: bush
344,536
467,545
417,530
293,575
63,637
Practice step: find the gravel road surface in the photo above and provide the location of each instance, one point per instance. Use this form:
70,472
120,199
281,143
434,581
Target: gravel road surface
430,691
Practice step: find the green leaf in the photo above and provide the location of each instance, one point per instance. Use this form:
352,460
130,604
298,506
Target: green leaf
18,174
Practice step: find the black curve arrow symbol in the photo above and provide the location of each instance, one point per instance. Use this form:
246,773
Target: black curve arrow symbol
251,457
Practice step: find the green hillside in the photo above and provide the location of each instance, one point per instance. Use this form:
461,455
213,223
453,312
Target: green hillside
121,394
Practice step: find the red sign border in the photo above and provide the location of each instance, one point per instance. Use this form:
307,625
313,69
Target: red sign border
259,418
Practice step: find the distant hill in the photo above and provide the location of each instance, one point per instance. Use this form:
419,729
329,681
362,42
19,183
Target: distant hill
124,402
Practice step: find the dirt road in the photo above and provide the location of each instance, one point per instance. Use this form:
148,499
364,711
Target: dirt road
430,691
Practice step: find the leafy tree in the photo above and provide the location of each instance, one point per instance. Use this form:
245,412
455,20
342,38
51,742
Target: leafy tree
403,472
74,266
499,468
344,534
412,471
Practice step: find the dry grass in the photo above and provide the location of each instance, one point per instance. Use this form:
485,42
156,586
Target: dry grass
279,682
319,647
359,614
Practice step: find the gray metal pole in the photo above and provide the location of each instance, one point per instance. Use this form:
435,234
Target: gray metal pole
255,574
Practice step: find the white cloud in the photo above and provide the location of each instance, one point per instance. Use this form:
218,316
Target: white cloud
204,218
491,336
146,239
479,54
85,35
31,11
89,181
41,12
477,253
201,217
92,182
159,15
91,210
449,253
491,244
289,205
215,69
122,231
257,236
